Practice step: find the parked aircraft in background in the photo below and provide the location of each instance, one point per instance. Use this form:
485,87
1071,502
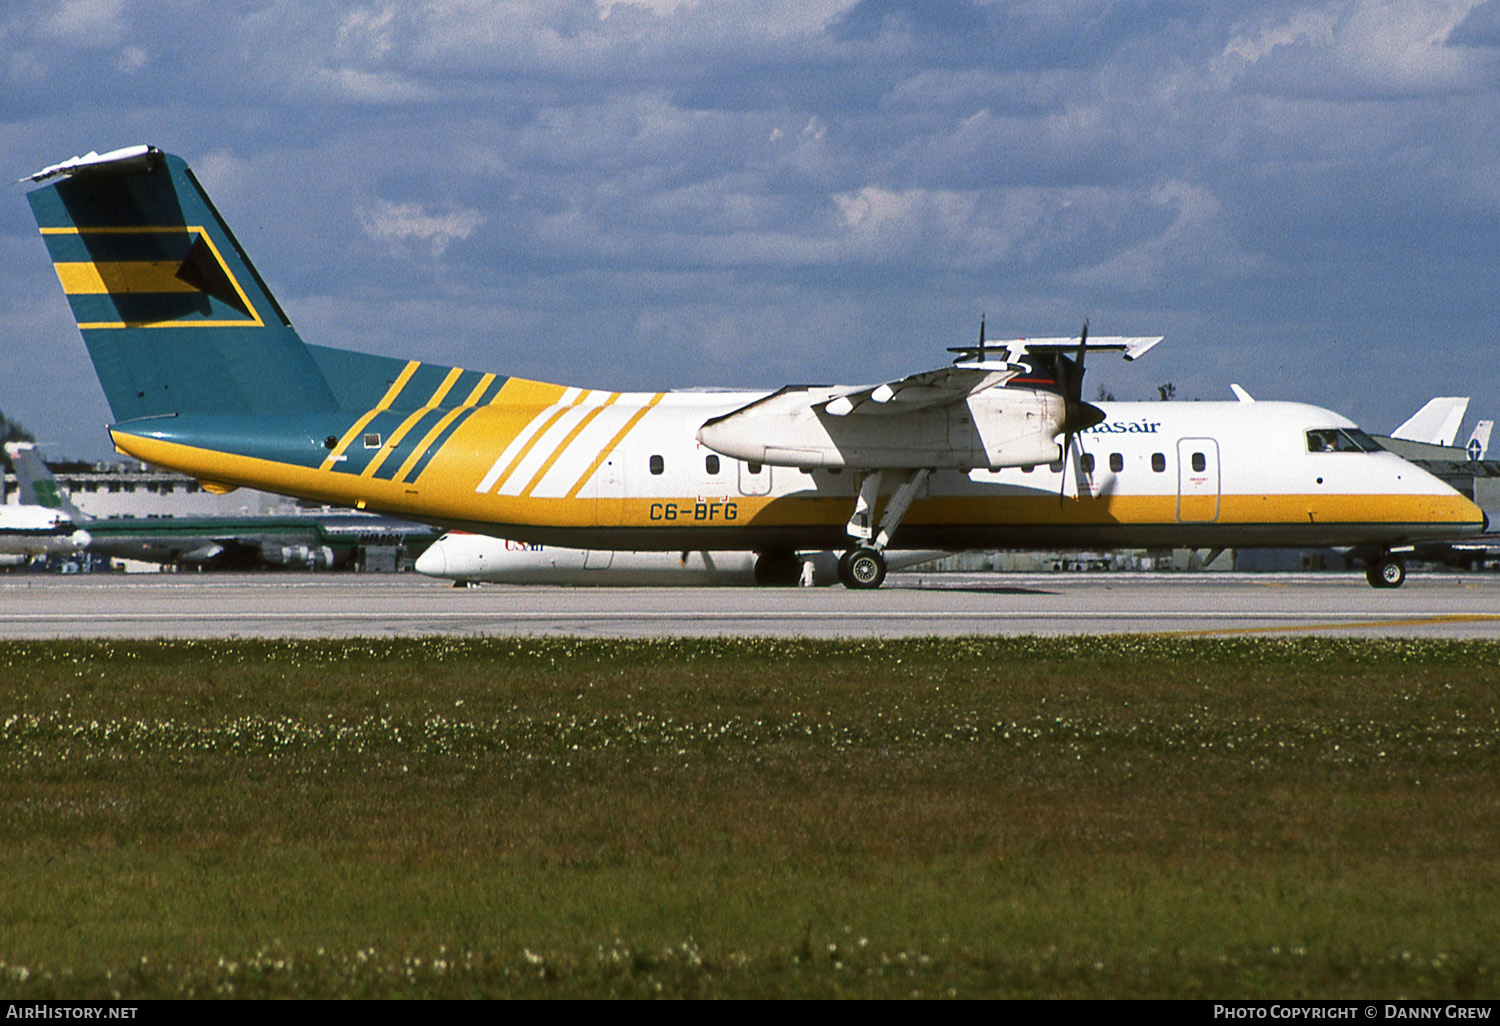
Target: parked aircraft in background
27,531
291,540
463,557
1436,423
205,375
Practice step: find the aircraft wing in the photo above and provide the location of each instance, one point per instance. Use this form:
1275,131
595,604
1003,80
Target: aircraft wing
920,391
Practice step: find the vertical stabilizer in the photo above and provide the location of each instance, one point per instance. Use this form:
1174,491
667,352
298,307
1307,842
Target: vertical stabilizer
37,486
1479,441
174,315
1436,423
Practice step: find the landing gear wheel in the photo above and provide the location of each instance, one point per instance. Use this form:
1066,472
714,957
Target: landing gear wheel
1385,572
862,568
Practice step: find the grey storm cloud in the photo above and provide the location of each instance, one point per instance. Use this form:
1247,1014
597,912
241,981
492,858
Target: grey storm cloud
1301,196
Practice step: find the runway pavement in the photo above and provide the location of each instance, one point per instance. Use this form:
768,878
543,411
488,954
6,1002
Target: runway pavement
345,605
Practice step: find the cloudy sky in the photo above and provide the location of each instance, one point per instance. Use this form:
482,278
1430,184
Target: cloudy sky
1303,197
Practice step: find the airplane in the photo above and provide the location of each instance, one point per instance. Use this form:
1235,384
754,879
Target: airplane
1436,423
27,531
467,558
205,375
310,542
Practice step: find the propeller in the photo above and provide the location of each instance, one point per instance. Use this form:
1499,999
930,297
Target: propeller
1077,414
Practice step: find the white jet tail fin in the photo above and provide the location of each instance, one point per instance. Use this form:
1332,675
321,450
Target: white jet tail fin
1435,423
37,485
1479,441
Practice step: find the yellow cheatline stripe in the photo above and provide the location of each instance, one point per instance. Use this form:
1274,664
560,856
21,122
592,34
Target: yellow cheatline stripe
385,402
84,275
392,443
531,442
440,426
613,443
583,422
123,276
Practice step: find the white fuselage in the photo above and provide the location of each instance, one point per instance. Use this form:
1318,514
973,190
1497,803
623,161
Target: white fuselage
39,531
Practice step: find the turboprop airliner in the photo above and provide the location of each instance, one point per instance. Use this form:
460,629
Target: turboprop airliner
205,375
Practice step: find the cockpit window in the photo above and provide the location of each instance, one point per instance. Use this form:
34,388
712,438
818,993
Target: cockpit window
1340,440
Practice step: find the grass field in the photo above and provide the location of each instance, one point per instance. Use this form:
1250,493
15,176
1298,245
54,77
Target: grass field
1011,817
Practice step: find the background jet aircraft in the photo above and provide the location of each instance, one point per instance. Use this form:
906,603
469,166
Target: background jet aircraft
206,375
463,557
322,541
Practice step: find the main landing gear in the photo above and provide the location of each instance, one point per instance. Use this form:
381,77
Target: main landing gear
863,566
1385,571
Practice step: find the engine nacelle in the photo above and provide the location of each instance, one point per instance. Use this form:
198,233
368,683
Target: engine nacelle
995,429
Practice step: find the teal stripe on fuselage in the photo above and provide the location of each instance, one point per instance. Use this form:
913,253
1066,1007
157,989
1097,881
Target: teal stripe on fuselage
438,443
409,443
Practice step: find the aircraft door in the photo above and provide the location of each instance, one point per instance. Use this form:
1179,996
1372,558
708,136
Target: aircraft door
1197,480
755,478
609,494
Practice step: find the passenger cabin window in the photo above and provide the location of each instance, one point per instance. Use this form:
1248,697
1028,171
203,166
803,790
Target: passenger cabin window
1056,468
657,465
754,468
1199,463
711,464
1158,462
372,440
1116,462
1028,468
1340,440
1086,463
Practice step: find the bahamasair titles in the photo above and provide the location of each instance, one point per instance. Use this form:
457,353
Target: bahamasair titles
204,374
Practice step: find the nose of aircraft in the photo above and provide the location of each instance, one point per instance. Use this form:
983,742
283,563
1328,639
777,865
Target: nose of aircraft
434,561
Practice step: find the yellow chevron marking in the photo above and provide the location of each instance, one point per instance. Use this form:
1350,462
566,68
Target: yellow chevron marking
604,453
583,422
484,383
521,392
127,276
531,442
410,422
438,428
385,402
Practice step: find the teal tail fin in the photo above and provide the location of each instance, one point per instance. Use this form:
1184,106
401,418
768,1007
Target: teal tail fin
174,315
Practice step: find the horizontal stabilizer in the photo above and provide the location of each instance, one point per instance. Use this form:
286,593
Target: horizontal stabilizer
1133,346
128,158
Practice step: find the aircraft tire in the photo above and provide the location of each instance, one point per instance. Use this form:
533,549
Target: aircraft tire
1386,572
862,569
